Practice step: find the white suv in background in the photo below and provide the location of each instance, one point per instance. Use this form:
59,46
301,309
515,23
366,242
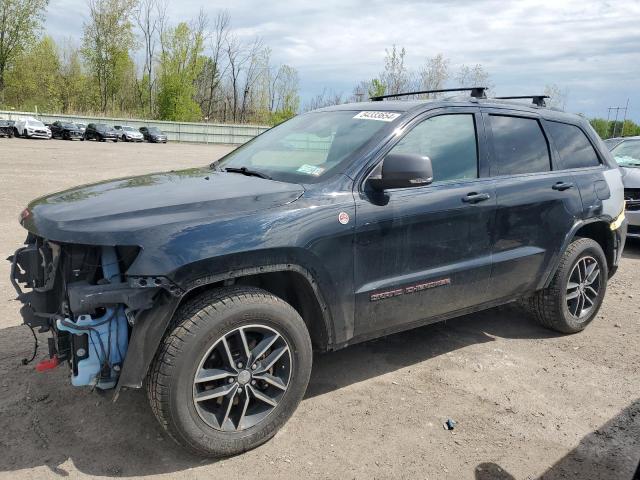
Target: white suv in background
128,133
32,128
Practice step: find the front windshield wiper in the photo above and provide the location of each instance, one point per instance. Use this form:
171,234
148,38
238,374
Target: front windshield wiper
247,172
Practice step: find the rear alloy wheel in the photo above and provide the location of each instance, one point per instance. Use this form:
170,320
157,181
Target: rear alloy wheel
231,371
577,290
583,287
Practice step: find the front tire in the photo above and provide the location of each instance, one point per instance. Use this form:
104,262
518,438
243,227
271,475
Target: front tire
231,371
577,290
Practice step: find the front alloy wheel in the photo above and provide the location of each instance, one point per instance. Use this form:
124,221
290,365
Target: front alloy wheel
242,378
231,371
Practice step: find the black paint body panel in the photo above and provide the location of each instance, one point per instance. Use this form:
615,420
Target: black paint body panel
199,226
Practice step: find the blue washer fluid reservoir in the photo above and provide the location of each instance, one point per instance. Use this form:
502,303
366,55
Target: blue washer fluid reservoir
108,336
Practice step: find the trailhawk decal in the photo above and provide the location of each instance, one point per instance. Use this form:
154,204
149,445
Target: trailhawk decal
407,290
380,116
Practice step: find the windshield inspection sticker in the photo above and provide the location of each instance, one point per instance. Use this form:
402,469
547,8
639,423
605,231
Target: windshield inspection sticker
380,116
311,170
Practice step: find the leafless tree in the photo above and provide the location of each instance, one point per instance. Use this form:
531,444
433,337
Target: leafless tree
215,69
149,15
395,75
325,99
434,74
473,76
558,96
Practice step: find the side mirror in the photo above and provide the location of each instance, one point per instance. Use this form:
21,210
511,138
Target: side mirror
403,170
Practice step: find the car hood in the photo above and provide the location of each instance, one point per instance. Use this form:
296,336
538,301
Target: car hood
631,177
123,211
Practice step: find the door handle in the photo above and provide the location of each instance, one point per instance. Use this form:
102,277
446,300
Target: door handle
474,197
562,186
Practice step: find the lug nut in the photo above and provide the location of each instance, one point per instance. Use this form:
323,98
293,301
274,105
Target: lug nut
231,380
240,390
239,364
253,382
254,366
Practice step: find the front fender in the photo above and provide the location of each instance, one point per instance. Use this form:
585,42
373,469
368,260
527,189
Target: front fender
151,325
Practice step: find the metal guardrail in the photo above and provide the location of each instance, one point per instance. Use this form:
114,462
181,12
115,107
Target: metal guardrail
176,131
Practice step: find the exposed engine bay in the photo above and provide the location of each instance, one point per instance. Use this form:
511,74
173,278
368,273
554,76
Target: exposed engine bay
82,296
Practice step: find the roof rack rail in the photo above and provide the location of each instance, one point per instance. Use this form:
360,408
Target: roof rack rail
535,99
477,92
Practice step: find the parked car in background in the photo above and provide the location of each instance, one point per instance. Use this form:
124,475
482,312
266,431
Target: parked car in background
7,128
128,133
101,132
153,135
32,128
82,127
626,152
66,131
612,142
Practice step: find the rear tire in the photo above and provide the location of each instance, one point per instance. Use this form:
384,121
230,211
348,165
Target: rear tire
234,318
577,290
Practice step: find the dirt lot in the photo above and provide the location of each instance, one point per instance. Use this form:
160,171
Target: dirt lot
528,403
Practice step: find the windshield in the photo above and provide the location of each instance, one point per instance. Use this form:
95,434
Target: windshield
308,146
68,125
155,131
35,123
627,154
128,129
102,126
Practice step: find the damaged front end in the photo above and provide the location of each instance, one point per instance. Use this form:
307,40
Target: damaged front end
81,294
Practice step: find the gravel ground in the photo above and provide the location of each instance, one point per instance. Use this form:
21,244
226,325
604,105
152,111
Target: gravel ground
528,403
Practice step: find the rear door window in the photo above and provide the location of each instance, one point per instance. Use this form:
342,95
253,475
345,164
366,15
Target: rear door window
574,148
519,145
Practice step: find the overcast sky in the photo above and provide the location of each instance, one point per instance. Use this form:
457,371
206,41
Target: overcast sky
590,48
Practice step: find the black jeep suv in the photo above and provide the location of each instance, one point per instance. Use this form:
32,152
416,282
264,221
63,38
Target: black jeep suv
153,135
101,132
212,286
66,131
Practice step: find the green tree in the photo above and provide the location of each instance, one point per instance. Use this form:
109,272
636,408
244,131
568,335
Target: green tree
20,21
108,37
629,128
180,65
75,86
600,125
35,79
377,88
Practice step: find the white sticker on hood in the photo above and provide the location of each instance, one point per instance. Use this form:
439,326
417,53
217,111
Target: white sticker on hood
380,116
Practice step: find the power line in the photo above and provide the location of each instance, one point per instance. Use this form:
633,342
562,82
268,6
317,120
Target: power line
615,121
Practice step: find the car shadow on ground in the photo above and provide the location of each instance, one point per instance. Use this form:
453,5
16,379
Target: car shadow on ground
610,452
45,421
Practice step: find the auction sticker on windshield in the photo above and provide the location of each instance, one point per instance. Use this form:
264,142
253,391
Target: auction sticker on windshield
311,170
380,116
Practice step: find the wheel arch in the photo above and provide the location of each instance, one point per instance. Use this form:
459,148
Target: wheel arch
291,282
597,229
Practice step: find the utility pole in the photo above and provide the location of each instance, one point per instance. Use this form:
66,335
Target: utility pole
615,122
